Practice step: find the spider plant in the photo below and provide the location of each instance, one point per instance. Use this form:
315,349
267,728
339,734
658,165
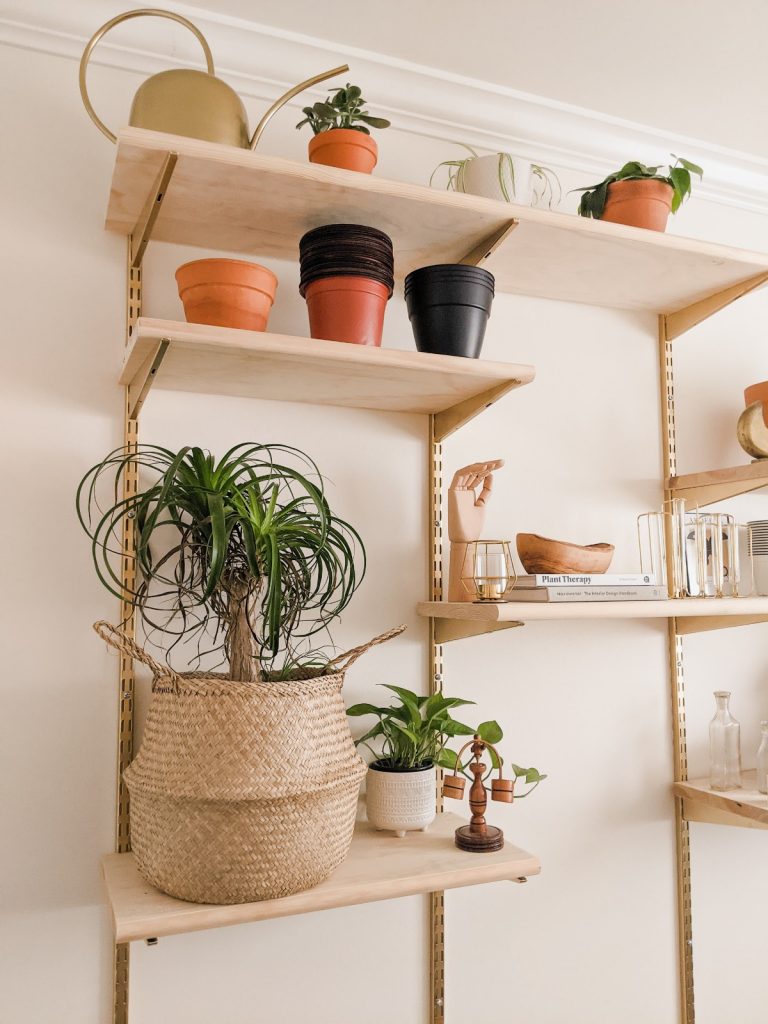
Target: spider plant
677,175
343,108
246,549
546,184
413,733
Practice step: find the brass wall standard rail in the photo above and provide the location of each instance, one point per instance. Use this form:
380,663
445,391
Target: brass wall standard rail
436,1012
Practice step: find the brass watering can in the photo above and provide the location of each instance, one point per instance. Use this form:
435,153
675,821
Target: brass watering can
186,102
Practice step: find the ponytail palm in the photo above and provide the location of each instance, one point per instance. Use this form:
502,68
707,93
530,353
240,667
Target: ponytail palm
246,549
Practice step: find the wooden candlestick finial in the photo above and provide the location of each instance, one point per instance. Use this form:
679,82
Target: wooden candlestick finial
478,836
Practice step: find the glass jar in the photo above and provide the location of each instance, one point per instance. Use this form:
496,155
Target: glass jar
762,760
724,746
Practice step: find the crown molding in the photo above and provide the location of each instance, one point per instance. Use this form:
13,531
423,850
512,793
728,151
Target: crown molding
262,61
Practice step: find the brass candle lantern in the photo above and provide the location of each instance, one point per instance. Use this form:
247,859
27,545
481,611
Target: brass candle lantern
488,573
478,836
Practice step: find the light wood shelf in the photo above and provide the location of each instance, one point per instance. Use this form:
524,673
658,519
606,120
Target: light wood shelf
250,364
233,200
379,867
456,620
719,484
744,808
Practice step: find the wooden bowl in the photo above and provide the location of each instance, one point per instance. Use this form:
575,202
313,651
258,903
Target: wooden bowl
541,554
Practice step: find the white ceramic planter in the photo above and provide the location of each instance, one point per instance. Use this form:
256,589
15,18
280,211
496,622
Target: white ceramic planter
401,801
483,176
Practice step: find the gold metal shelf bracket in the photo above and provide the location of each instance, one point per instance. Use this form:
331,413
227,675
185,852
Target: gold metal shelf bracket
447,630
482,252
683,320
139,387
143,229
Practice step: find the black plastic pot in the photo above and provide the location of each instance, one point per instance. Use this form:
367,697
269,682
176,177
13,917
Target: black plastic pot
448,306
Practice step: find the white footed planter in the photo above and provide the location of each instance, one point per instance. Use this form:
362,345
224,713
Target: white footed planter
501,177
401,801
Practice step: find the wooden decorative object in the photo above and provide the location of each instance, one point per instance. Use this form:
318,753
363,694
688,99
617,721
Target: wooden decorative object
478,836
541,554
751,431
466,518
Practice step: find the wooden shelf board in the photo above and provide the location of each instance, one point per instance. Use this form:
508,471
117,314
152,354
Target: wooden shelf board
691,615
379,867
219,360
233,200
745,807
719,484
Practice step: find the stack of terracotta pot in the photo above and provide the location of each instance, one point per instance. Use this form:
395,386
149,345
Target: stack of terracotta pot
227,293
347,278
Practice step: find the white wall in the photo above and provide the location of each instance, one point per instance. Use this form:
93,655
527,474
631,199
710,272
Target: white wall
593,938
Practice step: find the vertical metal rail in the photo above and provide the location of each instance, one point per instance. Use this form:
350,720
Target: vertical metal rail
677,693
126,677
435,547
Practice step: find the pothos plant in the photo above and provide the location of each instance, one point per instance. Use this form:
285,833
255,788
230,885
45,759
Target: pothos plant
413,733
343,108
546,190
677,175
244,553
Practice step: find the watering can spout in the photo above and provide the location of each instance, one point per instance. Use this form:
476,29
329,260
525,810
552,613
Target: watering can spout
289,96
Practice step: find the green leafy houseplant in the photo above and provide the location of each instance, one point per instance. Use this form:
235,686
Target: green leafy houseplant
677,175
343,108
412,734
243,554
546,190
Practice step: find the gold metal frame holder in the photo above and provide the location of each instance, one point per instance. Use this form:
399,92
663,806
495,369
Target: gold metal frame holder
484,587
662,529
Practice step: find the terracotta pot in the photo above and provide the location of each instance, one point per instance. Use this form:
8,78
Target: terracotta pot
758,393
541,554
347,308
344,147
644,203
227,293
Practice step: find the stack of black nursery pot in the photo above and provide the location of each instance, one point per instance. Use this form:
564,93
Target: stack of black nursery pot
347,278
449,305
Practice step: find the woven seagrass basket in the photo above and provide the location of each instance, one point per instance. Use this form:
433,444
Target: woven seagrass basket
242,791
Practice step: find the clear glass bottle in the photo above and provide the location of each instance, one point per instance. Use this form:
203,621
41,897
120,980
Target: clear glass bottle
724,746
762,760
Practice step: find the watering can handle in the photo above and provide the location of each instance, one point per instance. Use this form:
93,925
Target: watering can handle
289,96
96,38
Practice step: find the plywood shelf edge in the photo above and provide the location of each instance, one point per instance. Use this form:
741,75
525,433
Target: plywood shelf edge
216,360
379,867
719,484
744,808
455,620
233,200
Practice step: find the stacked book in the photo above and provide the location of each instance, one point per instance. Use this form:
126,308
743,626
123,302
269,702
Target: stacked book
588,587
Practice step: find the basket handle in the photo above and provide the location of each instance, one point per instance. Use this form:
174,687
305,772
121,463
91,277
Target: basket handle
344,661
120,641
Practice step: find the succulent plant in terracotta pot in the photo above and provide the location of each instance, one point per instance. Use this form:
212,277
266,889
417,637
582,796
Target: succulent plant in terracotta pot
341,127
640,196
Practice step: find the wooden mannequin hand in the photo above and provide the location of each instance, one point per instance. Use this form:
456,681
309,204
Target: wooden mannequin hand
466,510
